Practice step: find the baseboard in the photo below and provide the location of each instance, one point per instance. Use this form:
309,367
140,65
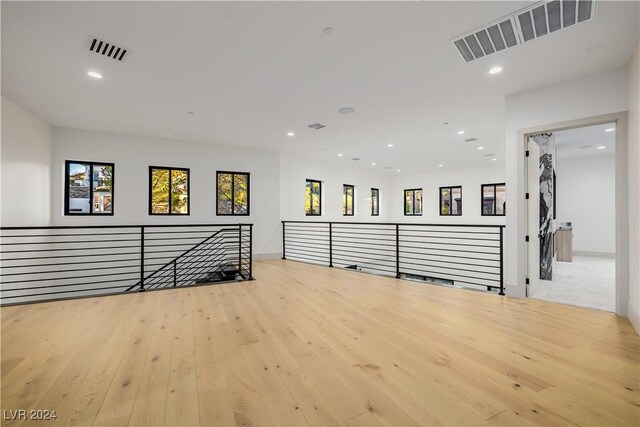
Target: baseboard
634,317
594,254
266,256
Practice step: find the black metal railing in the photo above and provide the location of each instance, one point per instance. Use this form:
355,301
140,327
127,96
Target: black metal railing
46,263
466,255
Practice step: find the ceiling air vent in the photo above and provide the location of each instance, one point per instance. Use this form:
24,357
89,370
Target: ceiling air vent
525,25
471,139
107,49
317,126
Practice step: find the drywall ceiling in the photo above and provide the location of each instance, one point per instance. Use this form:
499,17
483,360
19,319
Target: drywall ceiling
585,141
253,71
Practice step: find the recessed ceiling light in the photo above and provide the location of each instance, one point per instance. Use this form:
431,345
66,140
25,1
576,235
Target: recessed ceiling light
494,159
390,145
480,148
398,170
347,110
191,113
495,70
610,130
445,123
602,147
373,164
340,155
95,74
291,134
328,30
355,159
460,132
582,147
440,165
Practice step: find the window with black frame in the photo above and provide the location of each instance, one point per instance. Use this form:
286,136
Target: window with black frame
232,194
348,197
494,199
451,201
88,188
375,202
413,202
168,191
313,198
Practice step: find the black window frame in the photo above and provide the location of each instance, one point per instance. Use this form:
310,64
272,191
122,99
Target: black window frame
413,204
170,169
495,185
377,191
91,164
353,199
233,174
314,181
450,188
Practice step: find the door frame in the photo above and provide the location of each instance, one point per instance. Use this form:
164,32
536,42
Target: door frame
621,195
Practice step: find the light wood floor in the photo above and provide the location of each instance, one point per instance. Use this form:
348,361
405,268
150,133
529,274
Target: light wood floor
311,345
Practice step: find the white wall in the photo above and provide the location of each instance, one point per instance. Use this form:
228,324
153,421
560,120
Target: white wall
26,167
585,196
469,179
296,170
634,189
566,101
133,155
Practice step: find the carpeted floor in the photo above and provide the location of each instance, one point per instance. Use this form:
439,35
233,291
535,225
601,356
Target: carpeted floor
585,282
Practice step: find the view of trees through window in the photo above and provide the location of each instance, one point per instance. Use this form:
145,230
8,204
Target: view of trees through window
348,192
450,201
413,201
232,193
375,202
313,198
89,188
494,199
169,191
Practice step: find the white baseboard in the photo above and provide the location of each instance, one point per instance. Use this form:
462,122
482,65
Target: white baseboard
634,317
273,255
594,254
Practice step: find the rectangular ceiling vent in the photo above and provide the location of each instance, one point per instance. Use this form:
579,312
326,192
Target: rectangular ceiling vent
107,49
525,25
317,126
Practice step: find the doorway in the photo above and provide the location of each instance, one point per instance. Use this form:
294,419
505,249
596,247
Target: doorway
571,189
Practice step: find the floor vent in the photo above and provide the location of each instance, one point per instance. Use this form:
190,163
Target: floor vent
107,49
527,24
317,126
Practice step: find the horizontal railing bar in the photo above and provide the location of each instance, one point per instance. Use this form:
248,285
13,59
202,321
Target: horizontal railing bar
390,270
66,292
454,262
311,259
451,276
447,255
146,226
466,245
69,249
8,282
65,271
449,250
66,285
452,268
72,256
396,223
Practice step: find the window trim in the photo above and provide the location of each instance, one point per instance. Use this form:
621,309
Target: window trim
307,181
353,199
67,163
413,204
450,188
151,168
494,185
248,174
377,190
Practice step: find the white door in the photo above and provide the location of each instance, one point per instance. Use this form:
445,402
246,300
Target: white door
533,216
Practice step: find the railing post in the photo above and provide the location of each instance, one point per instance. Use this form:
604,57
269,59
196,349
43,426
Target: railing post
240,249
175,273
501,262
397,251
141,259
330,244
284,246
250,251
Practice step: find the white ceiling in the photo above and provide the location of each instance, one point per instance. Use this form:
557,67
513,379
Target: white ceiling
253,71
584,141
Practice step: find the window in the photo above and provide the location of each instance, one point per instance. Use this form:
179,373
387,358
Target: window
451,201
88,188
413,202
313,198
375,202
232,197
494,199
168,191
347,199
